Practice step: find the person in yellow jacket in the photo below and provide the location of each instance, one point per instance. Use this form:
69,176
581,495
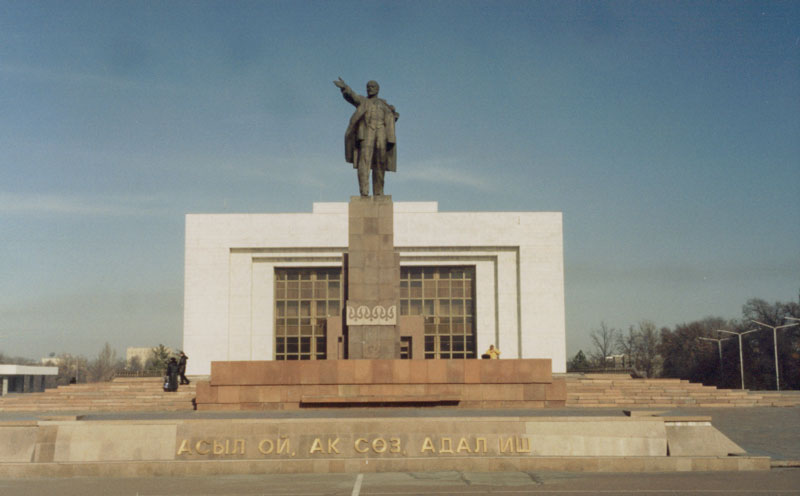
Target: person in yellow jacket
493,352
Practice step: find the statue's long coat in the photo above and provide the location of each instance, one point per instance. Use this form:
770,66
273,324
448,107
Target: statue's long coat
356,131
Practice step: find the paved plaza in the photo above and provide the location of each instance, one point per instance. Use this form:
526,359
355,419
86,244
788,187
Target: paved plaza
774,482
773,432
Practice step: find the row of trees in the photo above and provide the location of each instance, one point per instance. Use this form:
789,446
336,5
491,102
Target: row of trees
15,360
106,365
638,349
681,353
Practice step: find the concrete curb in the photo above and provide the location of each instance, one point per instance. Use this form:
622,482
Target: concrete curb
487,464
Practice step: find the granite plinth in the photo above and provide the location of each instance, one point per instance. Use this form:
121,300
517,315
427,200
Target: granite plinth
252,385
373,341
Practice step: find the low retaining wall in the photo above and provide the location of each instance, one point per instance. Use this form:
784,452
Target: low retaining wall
240,446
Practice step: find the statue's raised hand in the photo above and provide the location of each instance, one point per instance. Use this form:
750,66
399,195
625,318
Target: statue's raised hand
340,83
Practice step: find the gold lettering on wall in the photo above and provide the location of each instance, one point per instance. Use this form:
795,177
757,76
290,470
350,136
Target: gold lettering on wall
218,448
266,446
318,447
357,445
184,448
283,446
379,445
514,444
334,445
202,450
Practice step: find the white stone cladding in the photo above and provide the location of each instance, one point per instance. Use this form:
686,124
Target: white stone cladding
231,260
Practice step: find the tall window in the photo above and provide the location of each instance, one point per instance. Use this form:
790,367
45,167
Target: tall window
304,298
444,296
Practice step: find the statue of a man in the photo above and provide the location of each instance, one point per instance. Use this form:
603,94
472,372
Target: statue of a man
369,142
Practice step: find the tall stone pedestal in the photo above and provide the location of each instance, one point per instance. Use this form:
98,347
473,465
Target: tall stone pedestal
373,273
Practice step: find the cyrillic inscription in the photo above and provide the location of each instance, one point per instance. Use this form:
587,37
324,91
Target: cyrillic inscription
367,445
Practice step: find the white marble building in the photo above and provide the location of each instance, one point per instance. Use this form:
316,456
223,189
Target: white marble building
515,261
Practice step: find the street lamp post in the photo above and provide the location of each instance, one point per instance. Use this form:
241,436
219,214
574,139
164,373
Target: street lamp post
719,345
741,358
775,342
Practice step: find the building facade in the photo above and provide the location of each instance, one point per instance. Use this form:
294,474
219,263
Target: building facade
26,378
267,286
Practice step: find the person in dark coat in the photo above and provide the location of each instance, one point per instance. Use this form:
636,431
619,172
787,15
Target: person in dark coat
172,375
182,368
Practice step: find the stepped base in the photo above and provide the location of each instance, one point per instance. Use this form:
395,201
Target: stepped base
279,385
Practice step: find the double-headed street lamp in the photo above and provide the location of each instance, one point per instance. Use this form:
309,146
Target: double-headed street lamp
775,341
719,345
741,359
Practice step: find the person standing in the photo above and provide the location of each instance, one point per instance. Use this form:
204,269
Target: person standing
182,368
172,376
493,352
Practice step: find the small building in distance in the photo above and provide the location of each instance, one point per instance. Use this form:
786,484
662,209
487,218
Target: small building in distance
26,378
143,353
50,361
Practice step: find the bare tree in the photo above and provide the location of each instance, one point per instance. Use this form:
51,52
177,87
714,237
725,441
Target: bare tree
604,340
628,345
647,359
71,368
105,366
135,364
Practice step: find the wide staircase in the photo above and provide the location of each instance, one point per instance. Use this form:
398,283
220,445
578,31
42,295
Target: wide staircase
122,394
587,391
619,390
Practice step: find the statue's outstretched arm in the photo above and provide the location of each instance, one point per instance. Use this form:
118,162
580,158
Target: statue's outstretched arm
347,92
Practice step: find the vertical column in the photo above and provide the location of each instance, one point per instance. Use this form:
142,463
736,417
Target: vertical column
373,279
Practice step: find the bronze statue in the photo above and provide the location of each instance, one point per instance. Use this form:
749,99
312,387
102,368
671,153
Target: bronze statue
369,142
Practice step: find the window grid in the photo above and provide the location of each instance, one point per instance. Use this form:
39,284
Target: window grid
304,299
444,296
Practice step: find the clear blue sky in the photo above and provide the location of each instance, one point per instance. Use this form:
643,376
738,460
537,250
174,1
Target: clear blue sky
668,133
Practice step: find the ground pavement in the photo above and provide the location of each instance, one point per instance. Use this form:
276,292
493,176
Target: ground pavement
769,431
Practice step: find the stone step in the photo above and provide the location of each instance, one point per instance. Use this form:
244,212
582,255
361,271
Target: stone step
596,390
102,408
122,394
